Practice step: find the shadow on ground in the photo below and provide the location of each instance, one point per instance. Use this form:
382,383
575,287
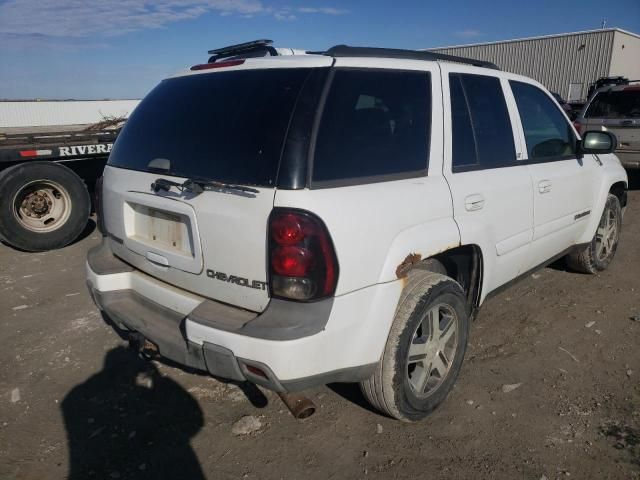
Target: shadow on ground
89,228
626,438
128,421
634,179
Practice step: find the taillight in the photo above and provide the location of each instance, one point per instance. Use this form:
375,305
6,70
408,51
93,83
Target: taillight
578,126
98,205
302,260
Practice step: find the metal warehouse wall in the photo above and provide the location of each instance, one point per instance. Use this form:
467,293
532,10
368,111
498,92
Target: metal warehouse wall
555,61
625,59
39,114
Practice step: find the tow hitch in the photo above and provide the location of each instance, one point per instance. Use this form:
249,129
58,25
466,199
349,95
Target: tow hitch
143,346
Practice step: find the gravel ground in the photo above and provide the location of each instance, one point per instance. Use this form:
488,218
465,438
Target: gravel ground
549,389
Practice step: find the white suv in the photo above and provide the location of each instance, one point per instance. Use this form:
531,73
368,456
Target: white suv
341,216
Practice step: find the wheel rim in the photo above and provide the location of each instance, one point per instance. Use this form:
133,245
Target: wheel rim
42,206
432,349
607,235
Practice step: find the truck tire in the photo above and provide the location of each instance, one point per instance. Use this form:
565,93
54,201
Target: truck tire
424,350
597,256
44,206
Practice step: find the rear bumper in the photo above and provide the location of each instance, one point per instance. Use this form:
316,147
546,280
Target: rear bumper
295,345
629,160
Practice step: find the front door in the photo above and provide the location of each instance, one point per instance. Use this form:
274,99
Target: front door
562,183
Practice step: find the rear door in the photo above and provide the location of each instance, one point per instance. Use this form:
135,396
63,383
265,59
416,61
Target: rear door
492,194
563,184
226,126
617,111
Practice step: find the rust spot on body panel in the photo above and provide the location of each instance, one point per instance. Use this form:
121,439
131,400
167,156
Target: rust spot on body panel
407,264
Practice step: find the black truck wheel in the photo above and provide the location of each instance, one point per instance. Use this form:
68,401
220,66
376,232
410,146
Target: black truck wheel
44,206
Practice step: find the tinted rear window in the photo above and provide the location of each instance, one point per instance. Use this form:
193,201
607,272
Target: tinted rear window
481,129
620,104
376,124
225,126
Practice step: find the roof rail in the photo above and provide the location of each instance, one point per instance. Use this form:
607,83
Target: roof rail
347,51
240,49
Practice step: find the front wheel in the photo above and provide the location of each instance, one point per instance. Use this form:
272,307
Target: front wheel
424,350
44,206
597,256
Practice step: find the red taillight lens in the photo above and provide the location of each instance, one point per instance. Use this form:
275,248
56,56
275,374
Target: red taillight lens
287,229
303,264
228,63
292,261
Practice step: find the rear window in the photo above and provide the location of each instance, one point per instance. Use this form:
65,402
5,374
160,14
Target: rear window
225,126
376,125
618,104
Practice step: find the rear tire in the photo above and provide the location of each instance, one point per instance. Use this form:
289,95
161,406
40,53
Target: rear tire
424,350
597,256
44,206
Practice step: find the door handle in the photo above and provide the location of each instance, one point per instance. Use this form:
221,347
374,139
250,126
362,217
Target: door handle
474,202
544,186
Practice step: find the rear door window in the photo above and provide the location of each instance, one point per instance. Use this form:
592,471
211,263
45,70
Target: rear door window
225,126
617,104
546,130
375,126
482,136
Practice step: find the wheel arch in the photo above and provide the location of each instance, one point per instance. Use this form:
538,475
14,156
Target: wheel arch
619,189
464,264
615,182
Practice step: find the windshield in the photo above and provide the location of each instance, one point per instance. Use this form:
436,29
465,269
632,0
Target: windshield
228,127
618,104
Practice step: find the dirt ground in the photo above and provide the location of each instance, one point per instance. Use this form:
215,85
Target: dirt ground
74,402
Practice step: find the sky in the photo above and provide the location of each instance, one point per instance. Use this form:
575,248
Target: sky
87,49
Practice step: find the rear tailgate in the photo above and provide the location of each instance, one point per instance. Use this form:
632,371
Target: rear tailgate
229,126
212,244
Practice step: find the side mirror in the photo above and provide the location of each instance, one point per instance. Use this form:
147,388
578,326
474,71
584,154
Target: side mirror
598,142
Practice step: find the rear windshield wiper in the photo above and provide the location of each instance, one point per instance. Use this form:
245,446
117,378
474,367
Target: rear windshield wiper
196,186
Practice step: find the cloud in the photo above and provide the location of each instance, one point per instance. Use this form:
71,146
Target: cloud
84,18
323,10
468,33
80,18
284,15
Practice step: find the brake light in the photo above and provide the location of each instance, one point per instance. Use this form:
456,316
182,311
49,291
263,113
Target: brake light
228,63
578,127
302,260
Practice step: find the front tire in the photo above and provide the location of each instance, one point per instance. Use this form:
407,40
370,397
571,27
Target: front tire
597,256
424,350
44,206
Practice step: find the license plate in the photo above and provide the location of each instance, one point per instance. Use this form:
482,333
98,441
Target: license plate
163,230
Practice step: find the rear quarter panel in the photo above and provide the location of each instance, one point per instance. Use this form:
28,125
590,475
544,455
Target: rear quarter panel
375,227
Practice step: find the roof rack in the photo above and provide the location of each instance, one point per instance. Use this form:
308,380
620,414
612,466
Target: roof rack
347,51
243,50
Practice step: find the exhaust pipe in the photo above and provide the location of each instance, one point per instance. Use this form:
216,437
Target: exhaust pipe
300,406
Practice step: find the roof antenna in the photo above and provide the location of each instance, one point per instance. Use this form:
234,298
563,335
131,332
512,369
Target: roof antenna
604,23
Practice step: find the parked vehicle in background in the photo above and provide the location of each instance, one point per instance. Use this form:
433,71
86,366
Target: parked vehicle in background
606,82
341,216
616,109
47,177
563,103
